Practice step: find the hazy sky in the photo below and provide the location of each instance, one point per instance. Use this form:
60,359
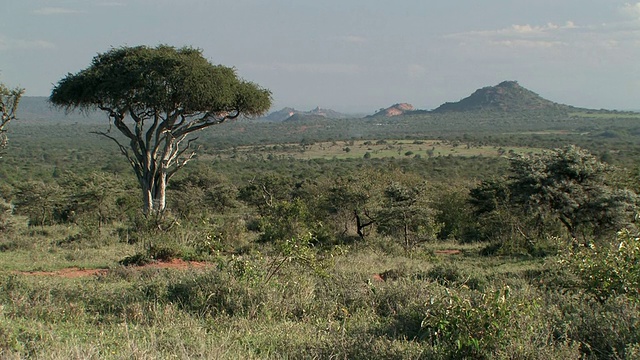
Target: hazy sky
349,55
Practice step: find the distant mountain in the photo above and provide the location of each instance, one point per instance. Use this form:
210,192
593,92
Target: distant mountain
508,96
328,113
38,109
297,117
280,115
291,114
395,110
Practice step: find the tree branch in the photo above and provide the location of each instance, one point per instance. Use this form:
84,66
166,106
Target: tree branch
204,121
132,161
181,163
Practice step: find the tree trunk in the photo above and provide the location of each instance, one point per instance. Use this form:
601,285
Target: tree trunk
154,189
161,191
147,198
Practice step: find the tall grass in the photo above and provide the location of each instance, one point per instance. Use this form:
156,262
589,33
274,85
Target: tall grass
430,306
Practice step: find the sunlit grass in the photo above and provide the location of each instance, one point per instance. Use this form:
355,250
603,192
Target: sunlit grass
372,149
341,309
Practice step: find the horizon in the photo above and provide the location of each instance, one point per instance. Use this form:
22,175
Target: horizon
318,107
351,57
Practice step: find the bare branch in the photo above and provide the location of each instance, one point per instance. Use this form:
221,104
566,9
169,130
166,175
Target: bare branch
132,161
176,157
360,226
205,121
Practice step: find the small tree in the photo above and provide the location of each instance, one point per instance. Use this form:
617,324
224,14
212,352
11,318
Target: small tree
9,100
346,200
567,186
405,213
40,202
571,185
156,97
608,270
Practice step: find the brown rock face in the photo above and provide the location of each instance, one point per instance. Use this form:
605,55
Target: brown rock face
398,109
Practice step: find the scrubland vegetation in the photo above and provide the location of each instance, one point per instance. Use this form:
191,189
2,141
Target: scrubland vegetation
504,244
491,228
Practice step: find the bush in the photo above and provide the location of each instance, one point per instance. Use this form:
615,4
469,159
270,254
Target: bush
470,324
604,330
608,270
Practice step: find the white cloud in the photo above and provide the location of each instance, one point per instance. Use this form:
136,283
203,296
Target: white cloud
56,11
522,43
604,36
22,44
528,29
631,10
520,30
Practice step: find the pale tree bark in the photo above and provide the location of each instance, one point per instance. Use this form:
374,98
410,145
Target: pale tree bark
156,152
9,100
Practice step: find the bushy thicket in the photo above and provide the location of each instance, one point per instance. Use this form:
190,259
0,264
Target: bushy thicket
336,266
420,311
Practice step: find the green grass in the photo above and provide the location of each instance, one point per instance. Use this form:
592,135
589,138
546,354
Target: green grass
358,149
432,306
57,247
606,115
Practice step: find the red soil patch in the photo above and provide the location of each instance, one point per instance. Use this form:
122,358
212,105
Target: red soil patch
448,252
176,264
75,272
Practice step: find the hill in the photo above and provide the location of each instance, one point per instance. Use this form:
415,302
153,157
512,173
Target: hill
395,110
291,114
299,117
35,109
508,96
280,115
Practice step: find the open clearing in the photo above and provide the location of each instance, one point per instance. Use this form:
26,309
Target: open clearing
371,149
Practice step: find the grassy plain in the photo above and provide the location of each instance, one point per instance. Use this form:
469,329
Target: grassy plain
357,149
364,299
233,310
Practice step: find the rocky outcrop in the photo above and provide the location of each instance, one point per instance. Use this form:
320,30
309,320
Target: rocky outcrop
395,110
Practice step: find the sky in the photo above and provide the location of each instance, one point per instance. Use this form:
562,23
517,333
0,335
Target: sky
353,56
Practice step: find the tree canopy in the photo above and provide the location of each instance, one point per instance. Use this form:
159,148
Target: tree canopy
156,97
568,185
177,81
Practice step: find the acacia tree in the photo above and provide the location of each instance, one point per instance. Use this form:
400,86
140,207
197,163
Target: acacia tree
156,97
572,184
9,100
568,185
406,213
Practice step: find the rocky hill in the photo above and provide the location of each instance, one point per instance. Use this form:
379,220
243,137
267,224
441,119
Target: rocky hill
298,117
291,114
395,110
280,115
508,96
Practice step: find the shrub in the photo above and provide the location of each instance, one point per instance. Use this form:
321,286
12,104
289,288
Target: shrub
470,324
604,330
608,270
229,291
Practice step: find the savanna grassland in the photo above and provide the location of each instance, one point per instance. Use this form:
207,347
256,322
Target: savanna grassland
433,237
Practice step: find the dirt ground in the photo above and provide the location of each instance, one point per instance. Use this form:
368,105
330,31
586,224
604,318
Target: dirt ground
75,272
